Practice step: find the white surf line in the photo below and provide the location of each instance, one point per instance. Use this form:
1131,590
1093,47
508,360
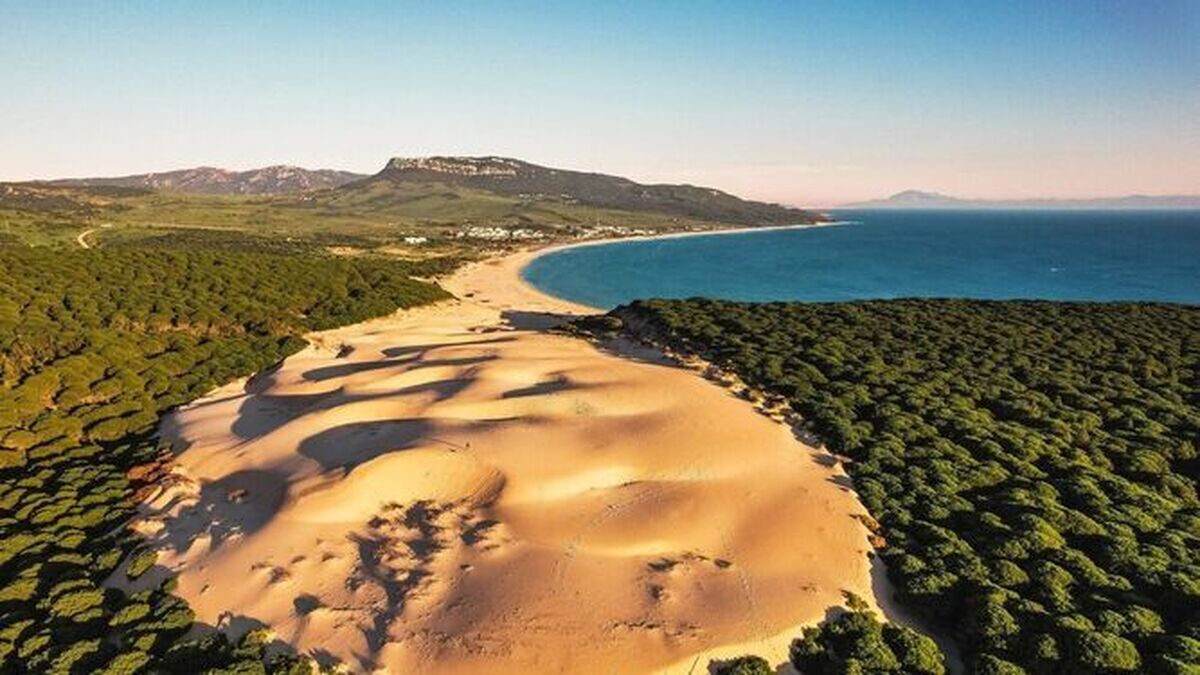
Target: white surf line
543,251
555,248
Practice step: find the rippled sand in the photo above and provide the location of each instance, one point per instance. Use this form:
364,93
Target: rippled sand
456,490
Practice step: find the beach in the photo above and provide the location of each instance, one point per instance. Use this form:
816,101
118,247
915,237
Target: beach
454,489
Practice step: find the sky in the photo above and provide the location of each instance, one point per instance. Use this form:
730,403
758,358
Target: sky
804,103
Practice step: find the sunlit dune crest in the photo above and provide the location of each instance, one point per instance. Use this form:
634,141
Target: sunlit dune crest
449,489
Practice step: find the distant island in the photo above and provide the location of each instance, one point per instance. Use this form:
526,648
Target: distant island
916,199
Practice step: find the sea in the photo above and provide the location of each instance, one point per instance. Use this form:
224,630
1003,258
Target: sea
989,254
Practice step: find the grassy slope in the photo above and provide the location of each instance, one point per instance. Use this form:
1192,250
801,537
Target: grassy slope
376,214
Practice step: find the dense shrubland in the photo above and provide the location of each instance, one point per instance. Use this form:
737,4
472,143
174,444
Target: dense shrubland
742,665
1032,465
856,642
94,346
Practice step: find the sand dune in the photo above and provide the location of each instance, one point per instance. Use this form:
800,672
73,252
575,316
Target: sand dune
451,490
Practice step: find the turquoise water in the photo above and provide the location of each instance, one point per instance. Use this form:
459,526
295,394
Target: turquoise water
1051,255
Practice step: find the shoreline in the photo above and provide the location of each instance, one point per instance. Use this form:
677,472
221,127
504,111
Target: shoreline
459,282
549,249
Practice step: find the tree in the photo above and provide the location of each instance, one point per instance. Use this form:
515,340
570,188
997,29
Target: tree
1106,652
743,665
992,665
918,653
857,640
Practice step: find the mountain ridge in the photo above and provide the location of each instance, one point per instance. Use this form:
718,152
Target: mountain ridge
449,200
919,199
440,187
208,180
532,182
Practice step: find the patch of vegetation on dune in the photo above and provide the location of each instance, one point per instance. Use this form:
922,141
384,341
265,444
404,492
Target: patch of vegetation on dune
1032,465
94,346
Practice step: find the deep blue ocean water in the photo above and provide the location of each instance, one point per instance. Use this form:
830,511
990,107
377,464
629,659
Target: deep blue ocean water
1052,255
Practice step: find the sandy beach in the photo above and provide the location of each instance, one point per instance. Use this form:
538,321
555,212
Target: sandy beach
456,490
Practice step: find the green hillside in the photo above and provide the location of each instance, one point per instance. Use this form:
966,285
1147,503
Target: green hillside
451,202
543,185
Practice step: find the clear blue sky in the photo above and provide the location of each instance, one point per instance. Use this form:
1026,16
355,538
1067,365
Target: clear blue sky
807,103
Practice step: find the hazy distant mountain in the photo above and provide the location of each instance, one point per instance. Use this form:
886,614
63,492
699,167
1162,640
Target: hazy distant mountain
530,183
915,199
211,181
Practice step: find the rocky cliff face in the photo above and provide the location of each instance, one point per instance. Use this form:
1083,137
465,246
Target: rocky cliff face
531,182
457,166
